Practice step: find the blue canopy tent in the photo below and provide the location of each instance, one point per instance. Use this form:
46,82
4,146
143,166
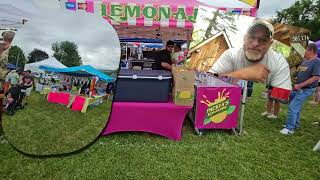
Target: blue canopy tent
152,45
82,71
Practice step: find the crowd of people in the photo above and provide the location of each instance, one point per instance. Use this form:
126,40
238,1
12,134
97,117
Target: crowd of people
17,88
85,86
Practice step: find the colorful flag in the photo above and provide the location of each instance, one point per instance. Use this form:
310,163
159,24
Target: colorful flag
82,6
250,2
71,5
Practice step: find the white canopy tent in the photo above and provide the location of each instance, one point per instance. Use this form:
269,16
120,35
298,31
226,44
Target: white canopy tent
50,62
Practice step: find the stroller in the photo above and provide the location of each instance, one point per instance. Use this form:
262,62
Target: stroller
14,99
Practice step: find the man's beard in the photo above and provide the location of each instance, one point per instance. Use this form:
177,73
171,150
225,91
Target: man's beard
253,56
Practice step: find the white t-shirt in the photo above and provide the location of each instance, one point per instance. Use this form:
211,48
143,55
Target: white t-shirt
234,59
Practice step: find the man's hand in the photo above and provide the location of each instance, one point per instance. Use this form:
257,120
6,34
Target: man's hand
166,66
297,86
257,73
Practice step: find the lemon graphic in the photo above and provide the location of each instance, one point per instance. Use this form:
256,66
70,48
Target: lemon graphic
218,110
219,117
185,95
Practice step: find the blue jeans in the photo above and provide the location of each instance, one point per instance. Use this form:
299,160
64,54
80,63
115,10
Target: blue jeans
297,98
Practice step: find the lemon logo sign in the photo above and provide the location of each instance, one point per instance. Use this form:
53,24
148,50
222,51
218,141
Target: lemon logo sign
218,110
185,95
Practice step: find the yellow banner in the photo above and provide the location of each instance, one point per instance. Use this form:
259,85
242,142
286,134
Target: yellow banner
250,2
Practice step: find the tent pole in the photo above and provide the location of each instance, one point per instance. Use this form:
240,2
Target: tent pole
17,59
243,104
127,50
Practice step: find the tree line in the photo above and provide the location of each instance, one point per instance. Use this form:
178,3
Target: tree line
66,52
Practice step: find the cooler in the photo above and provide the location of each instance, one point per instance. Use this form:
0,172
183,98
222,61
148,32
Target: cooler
143,86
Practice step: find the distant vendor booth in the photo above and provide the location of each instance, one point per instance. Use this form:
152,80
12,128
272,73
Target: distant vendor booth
76,87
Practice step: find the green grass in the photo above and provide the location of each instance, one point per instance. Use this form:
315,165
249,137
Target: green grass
262,153
43,128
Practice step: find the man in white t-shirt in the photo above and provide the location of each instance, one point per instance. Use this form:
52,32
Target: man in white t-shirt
255,61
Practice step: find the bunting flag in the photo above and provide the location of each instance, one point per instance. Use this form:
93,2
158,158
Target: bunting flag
82,6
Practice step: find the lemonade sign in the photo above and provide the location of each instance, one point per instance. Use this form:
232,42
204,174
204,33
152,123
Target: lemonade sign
218,110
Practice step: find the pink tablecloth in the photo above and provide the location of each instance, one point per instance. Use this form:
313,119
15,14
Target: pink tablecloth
165,119
53,97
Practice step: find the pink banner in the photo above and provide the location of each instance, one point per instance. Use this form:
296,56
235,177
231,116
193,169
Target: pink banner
78,103
64,98
53,97
152,13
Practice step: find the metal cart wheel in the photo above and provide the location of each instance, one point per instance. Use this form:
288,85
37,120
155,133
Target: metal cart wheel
199,132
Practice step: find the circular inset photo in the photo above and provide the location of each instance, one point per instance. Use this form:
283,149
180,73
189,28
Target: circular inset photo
58,93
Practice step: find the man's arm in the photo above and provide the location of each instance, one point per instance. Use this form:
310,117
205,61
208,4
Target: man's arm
257,73
307,82
314,78
226,64
166,65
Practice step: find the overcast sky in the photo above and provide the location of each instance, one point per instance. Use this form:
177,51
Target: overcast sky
268,8
97,41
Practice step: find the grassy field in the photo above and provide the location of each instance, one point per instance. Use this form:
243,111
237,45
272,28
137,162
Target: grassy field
262,153
43,128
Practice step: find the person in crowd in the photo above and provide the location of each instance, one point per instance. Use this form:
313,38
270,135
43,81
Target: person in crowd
255,61
5,44
109,89
13,78
27,84
316,98
273,106
101,90
177,55
163,57
307,81
124,62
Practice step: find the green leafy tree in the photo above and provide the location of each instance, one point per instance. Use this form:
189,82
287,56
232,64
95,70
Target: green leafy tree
67,53
16,55
303,13
37,55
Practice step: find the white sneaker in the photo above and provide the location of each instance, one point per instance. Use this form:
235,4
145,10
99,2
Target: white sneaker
265,113
286,131
272,116
296,128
